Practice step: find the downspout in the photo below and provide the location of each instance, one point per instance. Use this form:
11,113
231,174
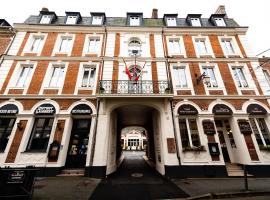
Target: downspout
171,104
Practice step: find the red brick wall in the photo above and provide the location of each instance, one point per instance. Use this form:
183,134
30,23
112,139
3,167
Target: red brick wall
195,70
71,78
49,44
190,50
216,46
4,42
78,45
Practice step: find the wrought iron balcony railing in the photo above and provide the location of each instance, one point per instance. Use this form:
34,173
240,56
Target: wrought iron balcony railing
134,87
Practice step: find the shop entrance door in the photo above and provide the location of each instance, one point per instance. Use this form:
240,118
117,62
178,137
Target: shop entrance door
77,150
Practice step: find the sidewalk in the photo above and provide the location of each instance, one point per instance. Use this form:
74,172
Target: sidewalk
203,186
68,188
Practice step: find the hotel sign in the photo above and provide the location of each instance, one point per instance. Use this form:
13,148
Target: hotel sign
255,109
81,109
45,109
221,109
187,109
9,109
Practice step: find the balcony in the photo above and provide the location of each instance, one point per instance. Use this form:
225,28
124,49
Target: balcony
120,87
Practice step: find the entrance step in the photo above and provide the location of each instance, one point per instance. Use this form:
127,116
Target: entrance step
72,172
235,170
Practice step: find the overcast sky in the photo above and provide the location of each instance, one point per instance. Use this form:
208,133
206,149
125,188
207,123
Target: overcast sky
252,13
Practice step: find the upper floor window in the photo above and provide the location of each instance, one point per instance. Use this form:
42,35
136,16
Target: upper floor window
189,132
228,46
239,77
93,45
57,76
134,47
97,20
88,78
134,21
220,21
209,71
25,76
174,46
71,19
65,44
195,21
201,46
46,19
36,44
180,77
171,21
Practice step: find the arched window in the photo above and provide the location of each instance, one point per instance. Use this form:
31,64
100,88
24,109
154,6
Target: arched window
134,47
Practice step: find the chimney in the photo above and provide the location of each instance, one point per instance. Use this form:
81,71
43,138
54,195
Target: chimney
44,9
221,10
155,13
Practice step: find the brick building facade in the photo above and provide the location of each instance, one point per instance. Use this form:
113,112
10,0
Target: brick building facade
71,84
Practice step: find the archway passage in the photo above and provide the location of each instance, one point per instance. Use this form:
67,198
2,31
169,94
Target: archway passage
133,171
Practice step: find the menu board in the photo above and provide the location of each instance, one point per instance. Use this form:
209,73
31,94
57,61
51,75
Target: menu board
208,127
244,127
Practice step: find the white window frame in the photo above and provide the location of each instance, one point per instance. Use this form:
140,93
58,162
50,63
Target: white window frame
195,21
97,48
97,20
134,20
266,76
16,74
48,75
234,44
220,22
59,42
248,77
208,47
219,81
181,43
31,41
46,19
80,77
259,129
171,21
71,19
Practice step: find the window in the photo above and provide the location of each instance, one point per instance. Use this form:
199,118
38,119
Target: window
57,76
71,19
180,77
134,21
97,20
174,46
171,21
88,78
45,19
25,76
134,45
36,43
261,131
65,44
228,46
189,132
201,46
267,77
6,126
93,45
40,134
239,77
195,21
220,22
209,71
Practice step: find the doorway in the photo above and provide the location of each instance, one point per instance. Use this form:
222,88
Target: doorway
78,145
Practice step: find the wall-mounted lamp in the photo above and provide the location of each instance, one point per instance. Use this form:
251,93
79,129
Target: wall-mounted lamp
20,126
58,125
203,77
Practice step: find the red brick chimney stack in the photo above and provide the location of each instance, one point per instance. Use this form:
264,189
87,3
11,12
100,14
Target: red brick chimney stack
155,13
221,10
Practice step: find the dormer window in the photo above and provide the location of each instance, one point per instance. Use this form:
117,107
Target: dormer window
71,19
97,20
46,19
134,21
195,21
171,21
220,21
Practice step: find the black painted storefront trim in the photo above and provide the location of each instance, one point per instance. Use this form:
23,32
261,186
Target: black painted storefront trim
196,171
95,171
48,171
259,170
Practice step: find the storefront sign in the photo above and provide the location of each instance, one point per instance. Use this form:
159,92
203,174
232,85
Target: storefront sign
171,145
221,109
255,109
208,127
17,176
45,109
9,109
187,109
244,127
81,109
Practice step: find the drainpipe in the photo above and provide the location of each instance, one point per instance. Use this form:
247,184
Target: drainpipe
8,47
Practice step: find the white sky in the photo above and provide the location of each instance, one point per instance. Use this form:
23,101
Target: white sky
252,13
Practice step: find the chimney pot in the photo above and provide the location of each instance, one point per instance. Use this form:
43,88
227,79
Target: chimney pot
221,10
155,13
45,9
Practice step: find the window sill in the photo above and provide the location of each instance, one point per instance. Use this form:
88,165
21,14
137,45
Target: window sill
194,149
34,151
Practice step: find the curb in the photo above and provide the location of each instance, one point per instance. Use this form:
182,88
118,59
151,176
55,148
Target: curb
229,195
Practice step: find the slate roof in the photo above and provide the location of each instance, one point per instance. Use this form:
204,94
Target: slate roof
121,22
